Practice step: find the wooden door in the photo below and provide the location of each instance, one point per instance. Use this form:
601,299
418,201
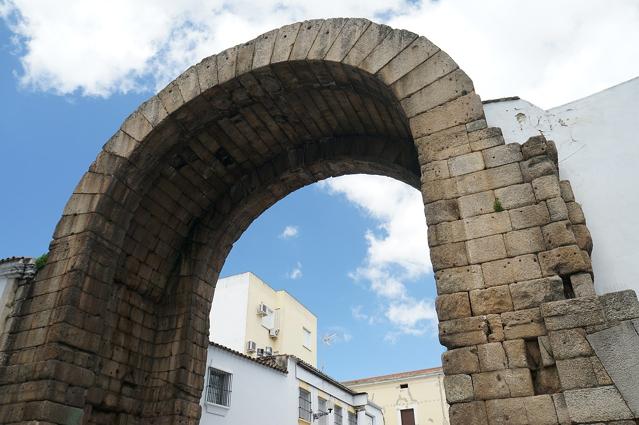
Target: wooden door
407,416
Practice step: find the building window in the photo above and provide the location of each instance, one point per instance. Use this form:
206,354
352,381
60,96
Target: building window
370,420
307,338
338,415
407,416
322,406
352,418
218,391
403,386
305,405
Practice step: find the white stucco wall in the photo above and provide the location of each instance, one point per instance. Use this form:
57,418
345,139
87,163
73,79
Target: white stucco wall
260,395
598,144
229,312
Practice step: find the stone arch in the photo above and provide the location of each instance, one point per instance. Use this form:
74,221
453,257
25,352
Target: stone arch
115,327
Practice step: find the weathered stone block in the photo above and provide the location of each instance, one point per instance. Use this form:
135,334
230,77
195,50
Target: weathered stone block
476,125
604,379
437,170
511,270
530,216
448,255
435,190
582,284
446,232
562,410
523,324
491,357
448,88
524,241
487,224
574,313
460,360
516,353
538,145
562,261
582,237
476,204
540,410
533,293
473,413
486,249
559,234
621,305
596,404
506,412
485,143
616,348
575,213
501,155
537,167
495,328
491,300
445,210
465,164
576,373
566,191
493,178
459,388
443,145
546,187
459,111
459,279
569,343
463,332
452,306
502,384
557,209
515,196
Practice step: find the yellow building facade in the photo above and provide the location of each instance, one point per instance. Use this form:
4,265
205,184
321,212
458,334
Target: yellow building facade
251,317
408,398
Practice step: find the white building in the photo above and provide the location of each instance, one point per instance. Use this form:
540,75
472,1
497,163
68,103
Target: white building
249,316
278,390
598,152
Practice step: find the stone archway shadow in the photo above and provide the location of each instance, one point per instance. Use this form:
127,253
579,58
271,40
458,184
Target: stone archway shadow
115,328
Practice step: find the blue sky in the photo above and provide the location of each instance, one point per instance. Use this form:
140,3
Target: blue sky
72,70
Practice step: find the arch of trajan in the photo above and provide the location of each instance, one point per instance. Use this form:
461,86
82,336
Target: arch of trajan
114,329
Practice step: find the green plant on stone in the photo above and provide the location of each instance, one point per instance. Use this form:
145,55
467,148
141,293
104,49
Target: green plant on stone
497,205
41,261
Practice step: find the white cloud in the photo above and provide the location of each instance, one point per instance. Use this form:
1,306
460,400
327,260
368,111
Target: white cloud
289,232
549,52
296,273
397,253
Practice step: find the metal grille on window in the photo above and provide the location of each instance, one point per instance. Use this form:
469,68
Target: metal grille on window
352,418
305,405
218,390
322,406
338,415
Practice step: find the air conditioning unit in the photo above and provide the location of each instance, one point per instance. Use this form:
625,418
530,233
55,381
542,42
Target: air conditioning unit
260,352
273,333
268,351
251,346
263,310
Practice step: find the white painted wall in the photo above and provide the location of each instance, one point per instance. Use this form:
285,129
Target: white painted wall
229,312
598,143
260,395
265,396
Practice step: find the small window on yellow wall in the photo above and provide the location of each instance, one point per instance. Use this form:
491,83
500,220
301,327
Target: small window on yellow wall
307,338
